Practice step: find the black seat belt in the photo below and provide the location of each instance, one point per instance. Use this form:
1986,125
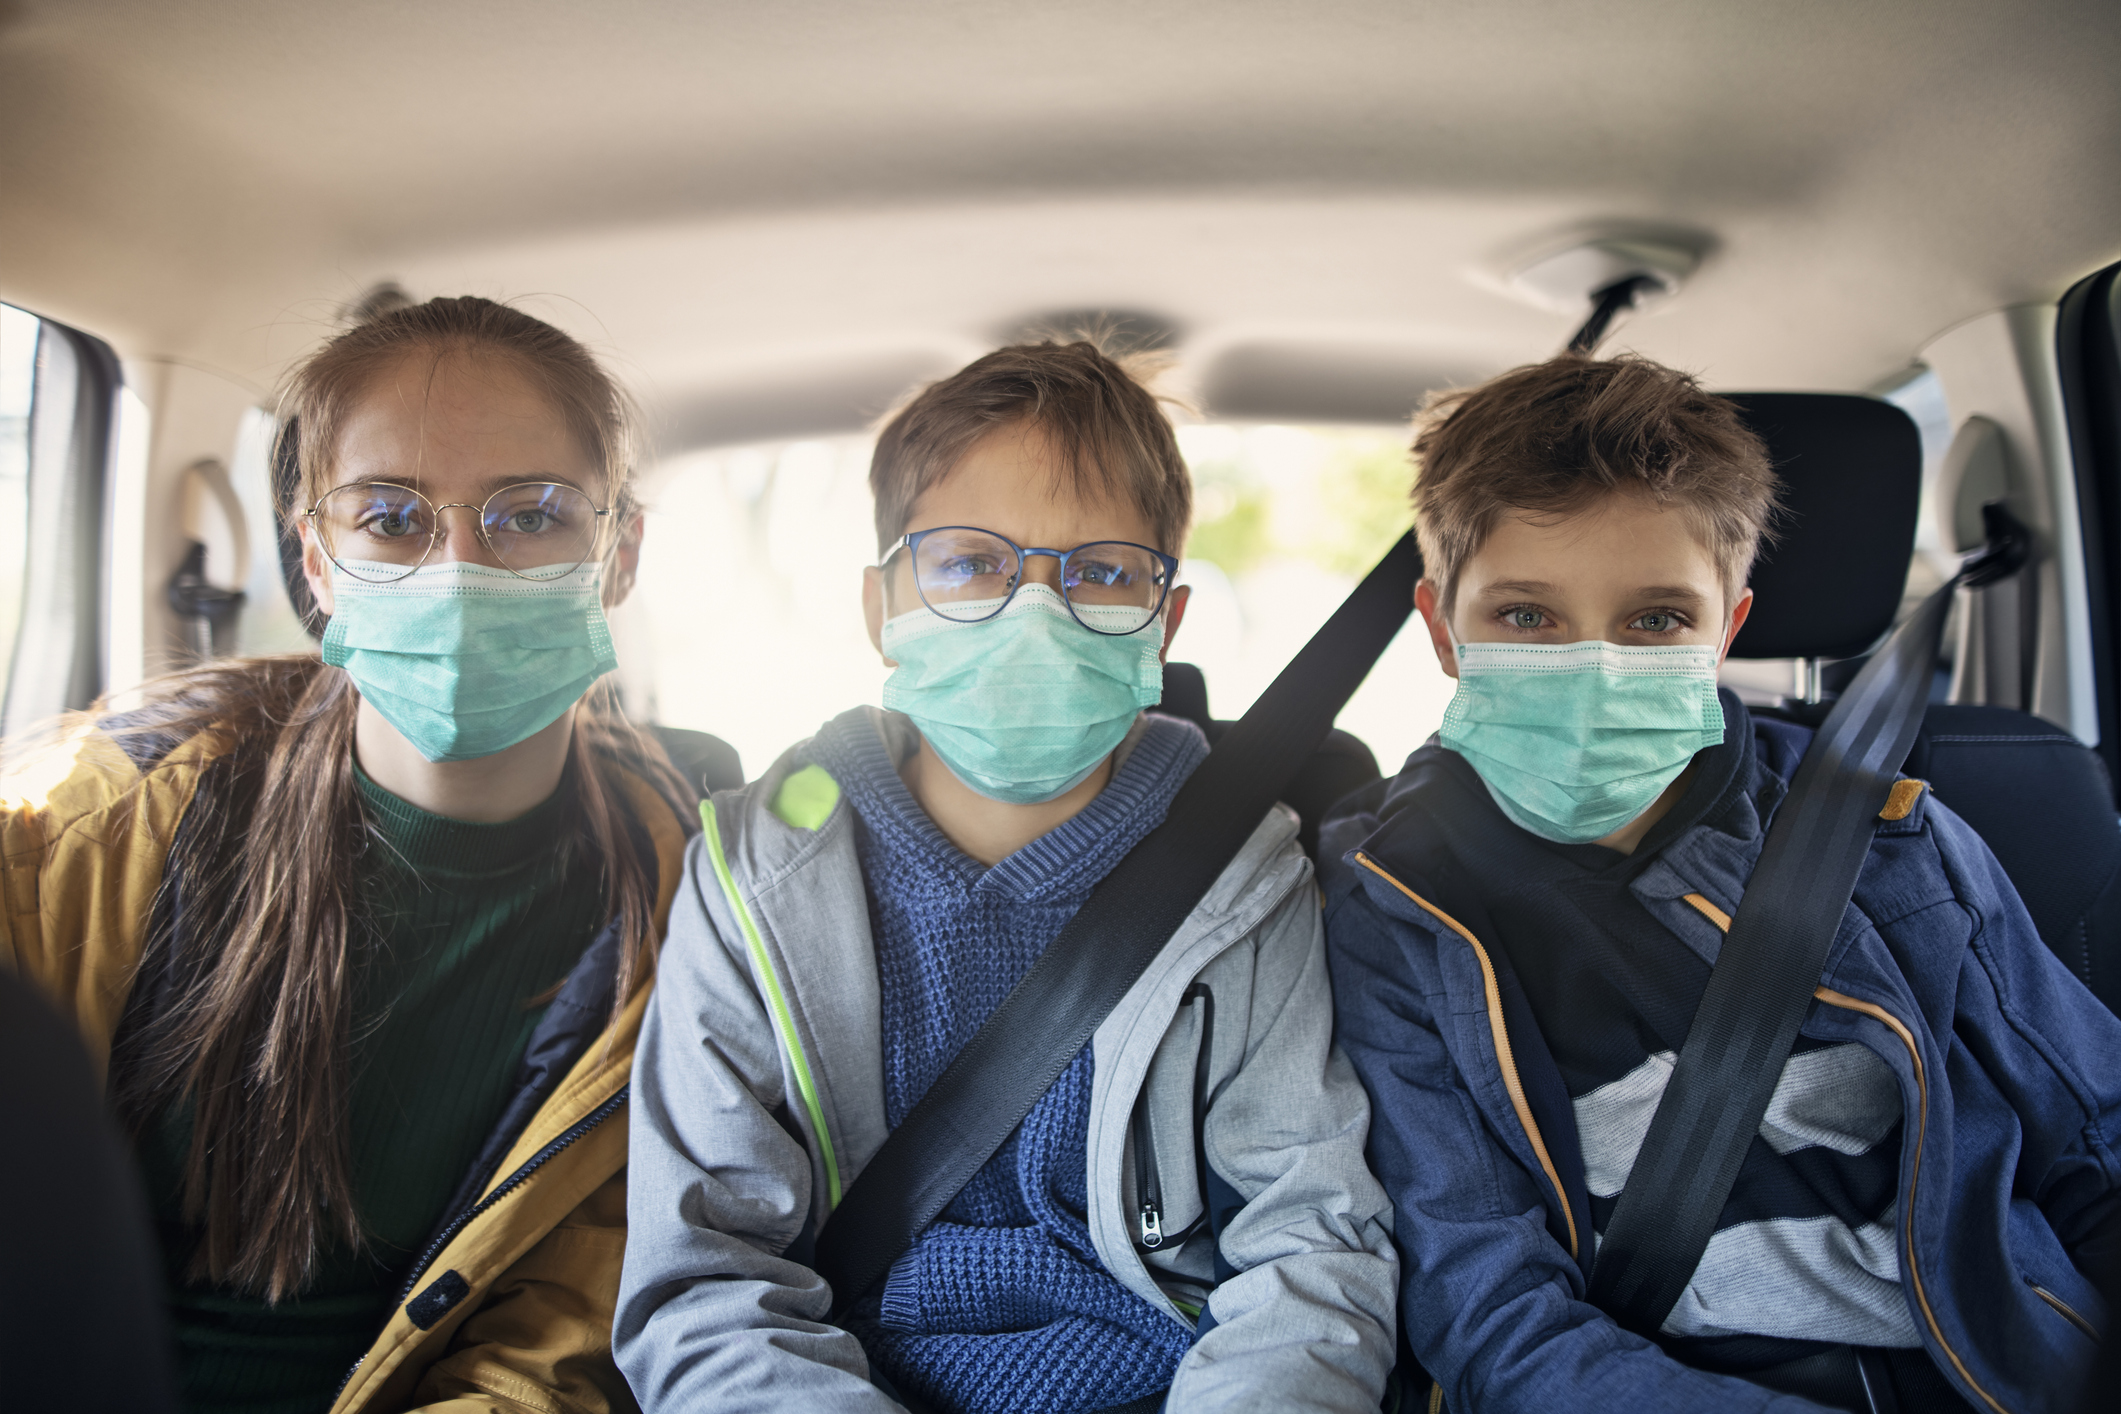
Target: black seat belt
1761,987
978,1101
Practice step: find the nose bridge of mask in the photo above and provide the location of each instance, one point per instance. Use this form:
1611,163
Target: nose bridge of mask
466,660
1581,694
1021,706
1623,666
1573,740
442,607
1034,633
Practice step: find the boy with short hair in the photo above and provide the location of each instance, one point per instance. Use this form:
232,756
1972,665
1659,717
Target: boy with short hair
1522,922
1187,1209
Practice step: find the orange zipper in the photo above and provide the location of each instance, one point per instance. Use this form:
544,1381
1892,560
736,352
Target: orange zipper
1503,1054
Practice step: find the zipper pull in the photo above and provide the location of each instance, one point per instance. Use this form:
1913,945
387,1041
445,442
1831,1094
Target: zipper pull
1152,1225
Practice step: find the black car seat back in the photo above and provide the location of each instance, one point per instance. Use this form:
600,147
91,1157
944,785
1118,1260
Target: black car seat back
1341,765
1829,586
2041,800
1829,581
707,762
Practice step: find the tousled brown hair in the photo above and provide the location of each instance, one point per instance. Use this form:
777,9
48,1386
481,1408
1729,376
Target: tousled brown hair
1105,427
1551,438
252,1025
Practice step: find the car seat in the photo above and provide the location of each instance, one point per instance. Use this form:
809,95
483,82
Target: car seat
708,762
1829,587
1340,765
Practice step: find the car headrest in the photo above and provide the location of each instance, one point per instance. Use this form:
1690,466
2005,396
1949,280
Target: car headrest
1851,470
1185,695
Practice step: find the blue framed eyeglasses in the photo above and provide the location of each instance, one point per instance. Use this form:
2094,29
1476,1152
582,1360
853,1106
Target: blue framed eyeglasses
966,574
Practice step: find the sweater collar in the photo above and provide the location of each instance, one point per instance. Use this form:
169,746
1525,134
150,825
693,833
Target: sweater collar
863,750
437,846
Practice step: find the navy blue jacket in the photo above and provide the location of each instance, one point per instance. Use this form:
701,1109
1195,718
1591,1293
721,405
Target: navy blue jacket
2009,1071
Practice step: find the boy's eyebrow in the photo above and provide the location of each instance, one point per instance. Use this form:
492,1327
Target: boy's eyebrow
1509,588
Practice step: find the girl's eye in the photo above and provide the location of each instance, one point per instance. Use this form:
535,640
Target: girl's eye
528,522
1656,621
1528,619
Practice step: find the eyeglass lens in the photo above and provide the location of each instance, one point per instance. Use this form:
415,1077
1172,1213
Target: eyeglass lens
963,574
380,532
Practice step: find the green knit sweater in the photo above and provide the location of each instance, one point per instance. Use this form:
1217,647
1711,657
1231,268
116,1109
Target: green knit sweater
465,924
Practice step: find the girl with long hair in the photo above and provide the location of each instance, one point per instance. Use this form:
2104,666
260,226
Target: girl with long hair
365,938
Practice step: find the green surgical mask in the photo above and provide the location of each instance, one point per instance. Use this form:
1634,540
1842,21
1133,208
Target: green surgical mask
1023,706
466,660
1575,740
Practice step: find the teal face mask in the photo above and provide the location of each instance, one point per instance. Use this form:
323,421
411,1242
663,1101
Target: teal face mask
1575,740
465,660
1022,707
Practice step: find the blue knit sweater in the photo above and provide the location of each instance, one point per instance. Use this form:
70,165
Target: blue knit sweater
1003,1303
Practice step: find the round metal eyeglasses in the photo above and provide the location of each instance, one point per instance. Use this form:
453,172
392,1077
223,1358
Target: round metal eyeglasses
379,531
966,574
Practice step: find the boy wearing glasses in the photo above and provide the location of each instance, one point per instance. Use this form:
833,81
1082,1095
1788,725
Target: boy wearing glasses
1185,1219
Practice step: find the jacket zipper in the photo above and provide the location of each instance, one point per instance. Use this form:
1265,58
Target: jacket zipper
2068,1311
1148,1182
1922,1086
1505,1057
1148,1187
776,1000
1906,1038
1892,1023
508,1185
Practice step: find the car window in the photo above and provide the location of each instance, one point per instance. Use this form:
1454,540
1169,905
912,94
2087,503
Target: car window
18,377
774,537
59,401
268,623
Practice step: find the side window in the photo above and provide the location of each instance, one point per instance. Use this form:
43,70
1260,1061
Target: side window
269,623
1286,520
18,378
58,391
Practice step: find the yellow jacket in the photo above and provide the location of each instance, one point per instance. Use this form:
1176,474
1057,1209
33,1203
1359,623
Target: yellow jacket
517,1303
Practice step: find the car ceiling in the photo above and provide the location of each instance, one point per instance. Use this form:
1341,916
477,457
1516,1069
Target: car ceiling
775,216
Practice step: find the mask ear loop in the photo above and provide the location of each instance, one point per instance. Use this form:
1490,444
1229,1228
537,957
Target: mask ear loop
1457,644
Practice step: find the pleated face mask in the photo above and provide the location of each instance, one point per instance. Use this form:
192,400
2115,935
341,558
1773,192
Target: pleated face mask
1023,706
467,660
1575,740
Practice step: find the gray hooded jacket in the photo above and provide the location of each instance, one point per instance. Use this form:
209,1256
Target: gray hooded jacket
758,1096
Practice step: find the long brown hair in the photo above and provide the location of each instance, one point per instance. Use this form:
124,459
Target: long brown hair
252,1025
